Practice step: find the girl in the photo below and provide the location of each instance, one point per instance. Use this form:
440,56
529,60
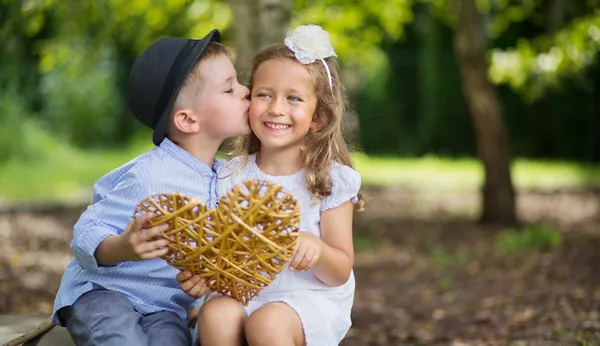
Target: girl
296,111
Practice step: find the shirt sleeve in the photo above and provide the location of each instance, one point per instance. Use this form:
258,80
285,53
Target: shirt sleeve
346,183
107,217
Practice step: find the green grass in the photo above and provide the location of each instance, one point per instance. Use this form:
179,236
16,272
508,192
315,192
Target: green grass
65,172
531,237
446,259
364,244
434,173
62,174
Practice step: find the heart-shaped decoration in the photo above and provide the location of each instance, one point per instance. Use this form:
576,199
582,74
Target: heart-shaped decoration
240,246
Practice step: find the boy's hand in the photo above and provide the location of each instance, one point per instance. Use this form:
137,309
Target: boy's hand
193,286
138,244
133,244
307,253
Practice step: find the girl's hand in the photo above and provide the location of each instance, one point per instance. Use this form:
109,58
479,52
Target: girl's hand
308,251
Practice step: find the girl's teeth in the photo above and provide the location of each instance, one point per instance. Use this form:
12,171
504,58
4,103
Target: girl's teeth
277,126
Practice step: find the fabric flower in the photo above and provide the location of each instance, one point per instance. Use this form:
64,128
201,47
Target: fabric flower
309,43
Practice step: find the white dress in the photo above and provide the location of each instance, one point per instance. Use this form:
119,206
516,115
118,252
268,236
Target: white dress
323,310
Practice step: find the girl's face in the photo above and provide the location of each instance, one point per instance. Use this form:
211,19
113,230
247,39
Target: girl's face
283,102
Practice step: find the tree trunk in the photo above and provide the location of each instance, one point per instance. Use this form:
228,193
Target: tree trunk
492,144
257,23
273,20
245,33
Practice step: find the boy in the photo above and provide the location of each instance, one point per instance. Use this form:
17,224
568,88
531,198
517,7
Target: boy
117,291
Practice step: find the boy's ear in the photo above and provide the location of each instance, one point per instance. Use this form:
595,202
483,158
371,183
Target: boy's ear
185,121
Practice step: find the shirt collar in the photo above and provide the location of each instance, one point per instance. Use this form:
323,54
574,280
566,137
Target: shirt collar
186,158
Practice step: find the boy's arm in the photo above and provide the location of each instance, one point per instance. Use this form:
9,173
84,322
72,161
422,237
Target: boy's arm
98,237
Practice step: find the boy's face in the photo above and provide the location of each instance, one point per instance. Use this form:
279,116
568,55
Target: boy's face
223,103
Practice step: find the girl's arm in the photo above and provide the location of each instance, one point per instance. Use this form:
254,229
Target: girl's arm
337,251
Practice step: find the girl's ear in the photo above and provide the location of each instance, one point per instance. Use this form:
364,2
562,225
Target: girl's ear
317,125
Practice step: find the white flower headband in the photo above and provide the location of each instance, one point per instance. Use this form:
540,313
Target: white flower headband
310,43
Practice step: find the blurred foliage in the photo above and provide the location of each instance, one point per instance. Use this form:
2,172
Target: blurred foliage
414,104
593,341
134,23
498,14
532,237
22,137
15,123
364,243
80,94
71,58
446,259
566,40
534,66
67,63
357,28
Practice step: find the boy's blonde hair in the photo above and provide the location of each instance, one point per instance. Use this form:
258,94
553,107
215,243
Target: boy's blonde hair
323,146
193,84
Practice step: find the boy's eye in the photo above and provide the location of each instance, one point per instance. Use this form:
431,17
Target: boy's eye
229,91
294,98
262,95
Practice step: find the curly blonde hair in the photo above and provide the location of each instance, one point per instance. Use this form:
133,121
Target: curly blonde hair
321,147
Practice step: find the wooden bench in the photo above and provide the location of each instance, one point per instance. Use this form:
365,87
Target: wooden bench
12,327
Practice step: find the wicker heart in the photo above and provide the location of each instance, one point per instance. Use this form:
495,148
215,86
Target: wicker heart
240,246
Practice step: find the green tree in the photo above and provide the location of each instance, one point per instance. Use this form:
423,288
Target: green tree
64,52
536,66
498,194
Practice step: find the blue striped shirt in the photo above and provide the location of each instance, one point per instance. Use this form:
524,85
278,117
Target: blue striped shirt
151,284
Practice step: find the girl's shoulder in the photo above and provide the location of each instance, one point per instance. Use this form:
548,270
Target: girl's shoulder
344,174
339,167
345,185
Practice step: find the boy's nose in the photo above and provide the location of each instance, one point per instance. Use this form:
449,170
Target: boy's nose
245,92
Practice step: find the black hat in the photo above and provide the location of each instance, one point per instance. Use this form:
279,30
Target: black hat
157,76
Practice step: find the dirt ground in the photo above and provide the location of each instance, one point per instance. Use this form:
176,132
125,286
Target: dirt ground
427,274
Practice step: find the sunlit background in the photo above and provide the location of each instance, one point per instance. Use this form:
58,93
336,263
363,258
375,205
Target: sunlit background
444,100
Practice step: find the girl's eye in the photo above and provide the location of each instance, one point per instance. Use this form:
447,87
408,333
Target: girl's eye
262,95
294,98
229,91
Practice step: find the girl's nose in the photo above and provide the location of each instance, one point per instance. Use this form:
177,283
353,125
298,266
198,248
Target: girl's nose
276,108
